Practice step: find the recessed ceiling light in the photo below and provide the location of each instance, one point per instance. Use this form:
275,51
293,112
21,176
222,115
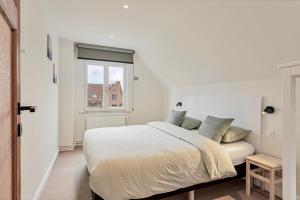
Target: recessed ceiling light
125,6
112,37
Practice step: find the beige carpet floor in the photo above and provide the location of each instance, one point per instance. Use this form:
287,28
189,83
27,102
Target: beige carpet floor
69,181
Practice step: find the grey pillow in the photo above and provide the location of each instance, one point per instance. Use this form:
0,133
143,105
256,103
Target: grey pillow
215,128
176,117
190,123
235,134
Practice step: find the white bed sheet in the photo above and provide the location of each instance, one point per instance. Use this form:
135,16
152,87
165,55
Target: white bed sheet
238,151
134,162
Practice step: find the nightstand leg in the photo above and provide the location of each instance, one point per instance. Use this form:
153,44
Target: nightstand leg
262,184
248,179
272,185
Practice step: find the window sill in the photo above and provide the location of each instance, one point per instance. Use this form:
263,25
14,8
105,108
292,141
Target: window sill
106,112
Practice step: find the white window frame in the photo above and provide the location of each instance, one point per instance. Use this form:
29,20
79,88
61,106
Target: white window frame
106,66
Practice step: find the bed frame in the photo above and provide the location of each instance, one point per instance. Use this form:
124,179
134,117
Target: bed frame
240,169
247,114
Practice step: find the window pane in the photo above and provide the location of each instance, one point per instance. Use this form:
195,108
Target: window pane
95,81
115,94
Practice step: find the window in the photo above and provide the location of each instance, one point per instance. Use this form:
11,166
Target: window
116,86
105,86
95,85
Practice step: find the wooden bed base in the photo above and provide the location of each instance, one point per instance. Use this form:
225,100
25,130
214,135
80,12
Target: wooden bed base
240,169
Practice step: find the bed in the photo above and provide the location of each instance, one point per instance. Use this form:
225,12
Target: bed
156,160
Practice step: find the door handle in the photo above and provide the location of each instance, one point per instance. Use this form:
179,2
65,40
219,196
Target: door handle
20,130
31,109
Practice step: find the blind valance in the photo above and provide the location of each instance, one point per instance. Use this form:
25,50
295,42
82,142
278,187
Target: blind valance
111,54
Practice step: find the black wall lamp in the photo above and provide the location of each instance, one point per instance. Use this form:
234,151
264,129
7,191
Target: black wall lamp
268,110
179,104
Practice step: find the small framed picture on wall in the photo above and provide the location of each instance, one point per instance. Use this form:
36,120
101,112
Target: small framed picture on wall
49,47
54,74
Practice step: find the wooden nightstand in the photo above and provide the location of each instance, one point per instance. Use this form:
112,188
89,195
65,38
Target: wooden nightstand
269,170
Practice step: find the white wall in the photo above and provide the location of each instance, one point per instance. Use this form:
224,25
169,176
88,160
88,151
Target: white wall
149,97
39,143
298,138
270,90
218,41
66,94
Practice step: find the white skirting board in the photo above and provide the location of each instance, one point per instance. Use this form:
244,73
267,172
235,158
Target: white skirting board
66,148
71,147
78,143
45,178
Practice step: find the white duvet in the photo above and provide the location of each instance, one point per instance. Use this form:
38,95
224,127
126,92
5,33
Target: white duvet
139,161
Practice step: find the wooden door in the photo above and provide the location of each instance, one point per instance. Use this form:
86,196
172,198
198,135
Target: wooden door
9,98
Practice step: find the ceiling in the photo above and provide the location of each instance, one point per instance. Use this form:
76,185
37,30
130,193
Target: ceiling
189,42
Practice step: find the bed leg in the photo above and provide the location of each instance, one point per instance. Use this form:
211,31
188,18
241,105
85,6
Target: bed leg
95,196
192,195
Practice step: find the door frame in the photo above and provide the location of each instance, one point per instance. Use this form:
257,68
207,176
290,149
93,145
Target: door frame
290,72
10,9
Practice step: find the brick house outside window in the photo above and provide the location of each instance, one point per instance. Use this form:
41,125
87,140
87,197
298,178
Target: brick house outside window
95,95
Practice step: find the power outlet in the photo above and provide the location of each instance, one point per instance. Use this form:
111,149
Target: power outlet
270,134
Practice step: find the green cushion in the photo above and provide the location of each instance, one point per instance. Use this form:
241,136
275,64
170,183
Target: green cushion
215,128
190,123
235,134
176,117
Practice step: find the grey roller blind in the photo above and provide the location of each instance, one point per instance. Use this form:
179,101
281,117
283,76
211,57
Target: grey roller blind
111,54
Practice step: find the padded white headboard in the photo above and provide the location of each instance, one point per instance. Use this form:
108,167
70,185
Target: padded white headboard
245,110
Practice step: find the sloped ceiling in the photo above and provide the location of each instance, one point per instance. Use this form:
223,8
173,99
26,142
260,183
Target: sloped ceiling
189,42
